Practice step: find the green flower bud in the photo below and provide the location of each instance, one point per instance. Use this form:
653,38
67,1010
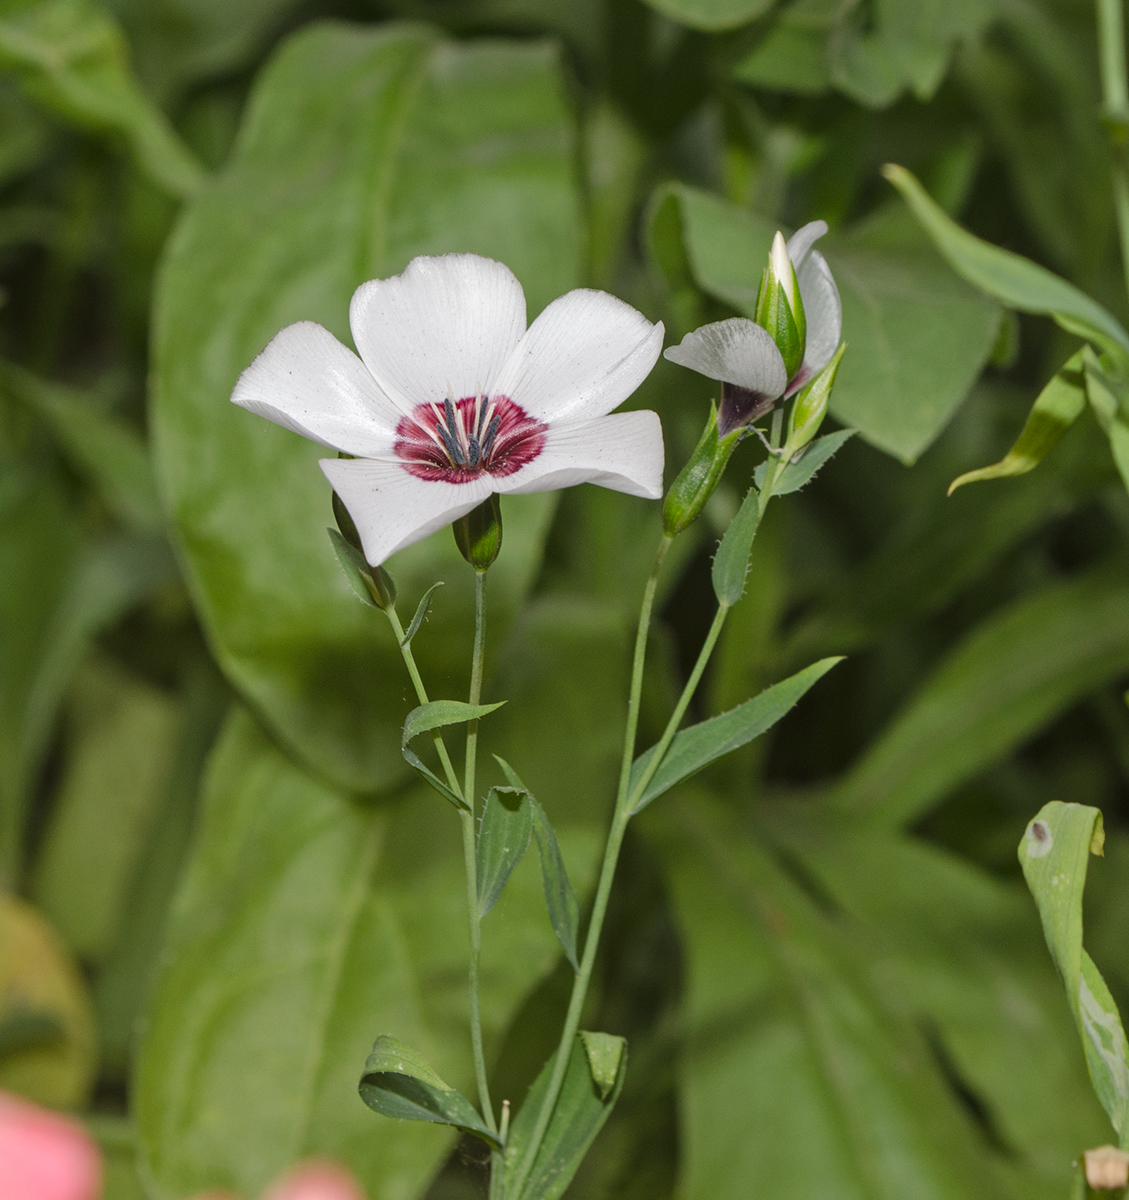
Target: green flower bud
478,535
779,308
373,585
698,478
810,406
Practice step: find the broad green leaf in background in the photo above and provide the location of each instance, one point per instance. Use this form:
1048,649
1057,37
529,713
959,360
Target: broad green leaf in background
704,743
1013,280
1056,408
1009,676
361,148
41,984
918,337
101,446
1055,853
70,56
119,753
584,1104
400,1083
801,1074
712,15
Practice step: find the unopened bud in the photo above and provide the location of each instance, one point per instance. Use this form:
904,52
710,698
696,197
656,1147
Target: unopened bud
780,310
810,406
698,478
1107,1168
478,535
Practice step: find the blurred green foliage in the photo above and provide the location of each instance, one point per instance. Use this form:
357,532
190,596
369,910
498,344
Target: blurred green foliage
821,951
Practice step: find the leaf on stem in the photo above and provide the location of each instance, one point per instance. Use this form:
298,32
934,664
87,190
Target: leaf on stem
578,1116
422,609
436,715
356,569
1054,853
503,838
1107,400
560,898
702,744
731,562
1010,278
1056,408
399,1082
800,473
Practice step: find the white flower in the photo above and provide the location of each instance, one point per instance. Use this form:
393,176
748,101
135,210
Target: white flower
452,398
745,358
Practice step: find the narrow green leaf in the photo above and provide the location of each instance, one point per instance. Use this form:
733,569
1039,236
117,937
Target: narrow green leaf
422,609
1108,401
353,564
711,15
503,838
1010,278
731,562
399,1082
560,898
605,1058
581,1110
71,56
1056,408
436,715
800,473
702,744
1055,853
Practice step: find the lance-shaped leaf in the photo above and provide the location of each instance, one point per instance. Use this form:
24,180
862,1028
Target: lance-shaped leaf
580,1112
436,715
356,569
1054,853
560,898
731,562
1108,402
800,473
1012,279
1056,408
503,838
704,743
422,609
399,1082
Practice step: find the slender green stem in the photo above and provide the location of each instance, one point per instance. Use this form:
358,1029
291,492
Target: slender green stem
470,859
620,818
1115,99
421,693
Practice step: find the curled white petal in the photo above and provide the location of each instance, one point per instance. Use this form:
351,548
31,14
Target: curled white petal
823,309
308,382
623,452
735,351
393,508
582,357
440,330
802,241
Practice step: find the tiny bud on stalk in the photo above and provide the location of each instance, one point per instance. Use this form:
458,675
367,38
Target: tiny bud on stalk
810,406
478,535
779,308
698,478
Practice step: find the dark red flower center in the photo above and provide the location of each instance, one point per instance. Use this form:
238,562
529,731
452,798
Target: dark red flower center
458,440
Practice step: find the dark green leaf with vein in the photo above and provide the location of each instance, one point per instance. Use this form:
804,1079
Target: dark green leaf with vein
503,838
437,715
800,473
581,1110
697,747
399,1082
731,562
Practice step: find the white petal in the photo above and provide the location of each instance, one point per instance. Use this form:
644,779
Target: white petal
735,351
307,381
623,452
392,508
440,330
582,357
823,309
802,241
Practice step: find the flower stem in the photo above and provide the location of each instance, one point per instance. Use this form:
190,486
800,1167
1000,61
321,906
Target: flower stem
620,818
470,860
1115,100
421,693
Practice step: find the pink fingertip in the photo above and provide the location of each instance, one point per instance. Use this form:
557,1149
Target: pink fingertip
45,1156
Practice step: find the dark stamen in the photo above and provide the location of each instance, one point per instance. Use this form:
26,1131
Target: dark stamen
475,452
491,434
